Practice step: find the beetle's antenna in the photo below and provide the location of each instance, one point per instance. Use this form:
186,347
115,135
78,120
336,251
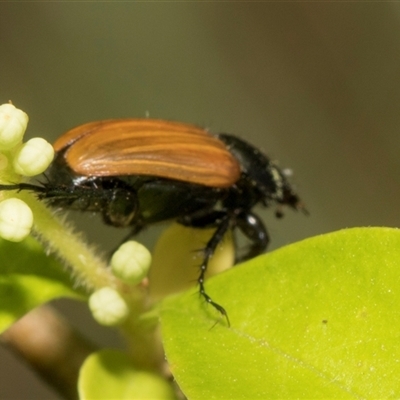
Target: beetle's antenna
301,207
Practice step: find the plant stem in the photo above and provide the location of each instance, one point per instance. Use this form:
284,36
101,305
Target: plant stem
58,236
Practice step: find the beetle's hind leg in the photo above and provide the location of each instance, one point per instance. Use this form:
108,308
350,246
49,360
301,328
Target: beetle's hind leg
223,226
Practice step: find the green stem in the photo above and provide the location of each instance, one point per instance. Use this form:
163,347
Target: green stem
144,342
59,237
92,272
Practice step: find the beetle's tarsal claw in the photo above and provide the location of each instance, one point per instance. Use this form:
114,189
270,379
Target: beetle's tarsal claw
218,307
222,311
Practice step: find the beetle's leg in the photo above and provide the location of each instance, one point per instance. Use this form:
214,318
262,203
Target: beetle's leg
254,229
203,219
120,208
23,186
208,219
216,238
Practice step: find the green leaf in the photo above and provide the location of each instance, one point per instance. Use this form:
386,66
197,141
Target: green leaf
316,319
109,374
28,278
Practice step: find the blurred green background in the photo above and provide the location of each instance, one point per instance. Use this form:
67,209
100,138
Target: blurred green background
315,85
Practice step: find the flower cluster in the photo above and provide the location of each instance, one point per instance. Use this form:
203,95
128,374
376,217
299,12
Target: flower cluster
18,160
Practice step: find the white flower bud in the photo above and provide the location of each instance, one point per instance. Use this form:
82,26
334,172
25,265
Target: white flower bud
108,307
33,157
16,220
131,262
13,124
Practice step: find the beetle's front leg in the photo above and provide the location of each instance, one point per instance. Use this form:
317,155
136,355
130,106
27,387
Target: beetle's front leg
223,226
208,219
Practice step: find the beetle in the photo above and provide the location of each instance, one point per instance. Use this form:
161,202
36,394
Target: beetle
137,172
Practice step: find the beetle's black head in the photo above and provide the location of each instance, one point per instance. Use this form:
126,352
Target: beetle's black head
276,188
291,199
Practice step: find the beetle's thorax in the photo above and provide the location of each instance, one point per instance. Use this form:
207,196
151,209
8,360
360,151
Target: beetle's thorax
262,180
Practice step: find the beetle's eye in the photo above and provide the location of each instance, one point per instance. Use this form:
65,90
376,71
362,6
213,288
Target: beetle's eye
121,208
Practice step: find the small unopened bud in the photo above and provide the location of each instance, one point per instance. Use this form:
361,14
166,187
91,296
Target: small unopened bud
16,220
33,157
108,307
131,262
13,124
